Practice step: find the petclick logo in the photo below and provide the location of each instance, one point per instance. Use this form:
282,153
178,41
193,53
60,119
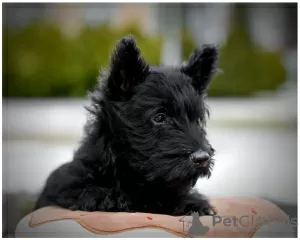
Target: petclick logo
249,220
194,228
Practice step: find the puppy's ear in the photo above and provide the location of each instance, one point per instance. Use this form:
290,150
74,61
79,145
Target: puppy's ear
201,66
127,70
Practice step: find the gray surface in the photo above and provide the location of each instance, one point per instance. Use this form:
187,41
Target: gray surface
254,162
255,141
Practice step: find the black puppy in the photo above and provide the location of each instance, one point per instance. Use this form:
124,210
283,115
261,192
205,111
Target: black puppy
145,143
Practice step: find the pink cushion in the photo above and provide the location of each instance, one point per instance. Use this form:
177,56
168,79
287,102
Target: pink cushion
251,213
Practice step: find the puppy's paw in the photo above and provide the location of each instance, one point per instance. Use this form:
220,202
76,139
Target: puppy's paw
207,211
74,207
203,208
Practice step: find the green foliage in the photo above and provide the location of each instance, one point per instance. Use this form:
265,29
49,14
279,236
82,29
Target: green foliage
25,206
39,61
188,44
246,68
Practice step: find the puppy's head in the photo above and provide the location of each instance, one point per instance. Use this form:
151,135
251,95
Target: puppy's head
158,114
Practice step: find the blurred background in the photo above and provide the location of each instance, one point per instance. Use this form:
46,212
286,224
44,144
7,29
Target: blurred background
52,55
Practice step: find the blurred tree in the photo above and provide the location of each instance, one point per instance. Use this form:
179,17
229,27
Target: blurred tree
67,16
39,61
172,25
247,68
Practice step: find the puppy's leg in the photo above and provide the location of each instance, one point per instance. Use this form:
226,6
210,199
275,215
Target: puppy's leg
74,186
93,198
195,202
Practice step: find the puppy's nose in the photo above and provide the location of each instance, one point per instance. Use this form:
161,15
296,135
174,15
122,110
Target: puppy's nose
200,157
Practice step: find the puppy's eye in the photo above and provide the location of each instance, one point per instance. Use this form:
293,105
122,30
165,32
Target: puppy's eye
159,118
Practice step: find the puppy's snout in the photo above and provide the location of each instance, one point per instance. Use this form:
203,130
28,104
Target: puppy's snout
200,157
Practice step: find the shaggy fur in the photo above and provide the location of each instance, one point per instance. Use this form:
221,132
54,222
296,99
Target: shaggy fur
145,143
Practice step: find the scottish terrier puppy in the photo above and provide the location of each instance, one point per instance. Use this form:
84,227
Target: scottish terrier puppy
145,142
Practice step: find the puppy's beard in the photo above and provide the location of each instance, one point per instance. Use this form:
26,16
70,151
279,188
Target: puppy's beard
207,170
172,172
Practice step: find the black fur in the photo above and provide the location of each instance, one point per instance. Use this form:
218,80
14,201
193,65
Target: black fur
137,152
